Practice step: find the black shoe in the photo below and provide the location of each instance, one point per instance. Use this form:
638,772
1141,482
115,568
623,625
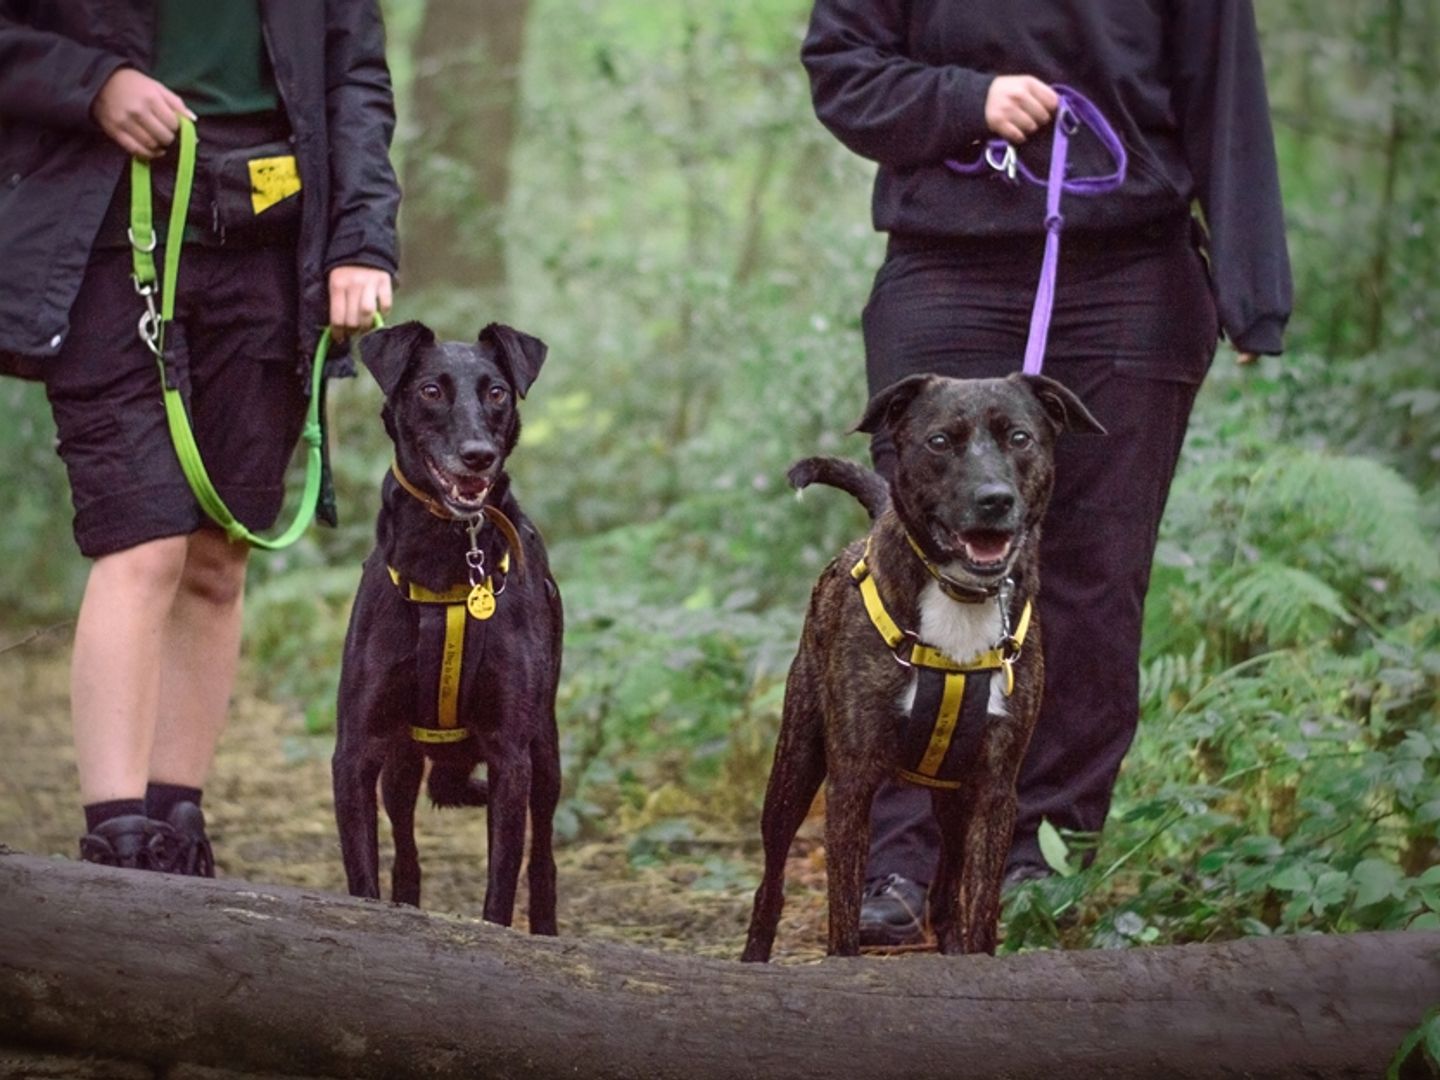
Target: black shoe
131,841
193,854
893,912
1018,874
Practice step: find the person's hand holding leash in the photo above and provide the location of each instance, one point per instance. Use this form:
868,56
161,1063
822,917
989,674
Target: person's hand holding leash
139,114
1017,106
356,294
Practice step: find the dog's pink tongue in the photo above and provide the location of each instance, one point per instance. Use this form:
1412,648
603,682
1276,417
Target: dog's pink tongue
987,547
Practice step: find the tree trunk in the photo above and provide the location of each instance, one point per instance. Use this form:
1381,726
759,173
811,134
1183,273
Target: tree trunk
1394,150
457,154
167,971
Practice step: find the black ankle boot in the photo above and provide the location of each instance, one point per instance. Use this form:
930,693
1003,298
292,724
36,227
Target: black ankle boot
193,854
132,841
892,912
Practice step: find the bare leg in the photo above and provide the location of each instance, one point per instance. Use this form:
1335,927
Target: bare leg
201,654
115,680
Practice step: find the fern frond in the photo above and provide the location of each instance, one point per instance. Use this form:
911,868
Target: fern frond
1171,679
1363,516
1277,604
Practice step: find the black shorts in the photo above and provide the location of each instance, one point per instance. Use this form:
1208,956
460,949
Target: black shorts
232,344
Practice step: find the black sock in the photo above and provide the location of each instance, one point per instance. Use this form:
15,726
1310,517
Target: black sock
160,799
96,814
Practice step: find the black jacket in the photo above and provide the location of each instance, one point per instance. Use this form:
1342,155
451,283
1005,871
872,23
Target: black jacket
58,171
903,82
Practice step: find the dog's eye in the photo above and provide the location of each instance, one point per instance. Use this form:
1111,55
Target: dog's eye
430,392
499,395
1021,437
938,442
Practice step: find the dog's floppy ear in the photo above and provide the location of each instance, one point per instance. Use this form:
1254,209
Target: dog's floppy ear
387,352
520,354
1066,411
886,407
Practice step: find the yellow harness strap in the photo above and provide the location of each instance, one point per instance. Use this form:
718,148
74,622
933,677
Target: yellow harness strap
954,672
459,604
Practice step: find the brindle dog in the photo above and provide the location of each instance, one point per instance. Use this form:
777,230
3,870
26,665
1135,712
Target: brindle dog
451,530
954,539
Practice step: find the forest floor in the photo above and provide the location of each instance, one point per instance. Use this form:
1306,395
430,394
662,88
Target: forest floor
270,816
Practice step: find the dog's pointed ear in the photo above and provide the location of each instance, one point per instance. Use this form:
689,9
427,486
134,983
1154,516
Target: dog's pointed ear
1066,411
886,407
519,353
387,352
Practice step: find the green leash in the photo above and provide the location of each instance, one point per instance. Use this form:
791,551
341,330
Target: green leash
152,332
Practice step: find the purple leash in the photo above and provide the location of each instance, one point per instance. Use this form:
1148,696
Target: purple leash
1075,110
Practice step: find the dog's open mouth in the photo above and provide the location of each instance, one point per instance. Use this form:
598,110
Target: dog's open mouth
463,493
983,552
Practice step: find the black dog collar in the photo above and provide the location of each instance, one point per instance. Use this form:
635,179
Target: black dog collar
958,591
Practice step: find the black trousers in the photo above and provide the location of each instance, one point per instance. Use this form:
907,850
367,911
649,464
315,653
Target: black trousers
1133,334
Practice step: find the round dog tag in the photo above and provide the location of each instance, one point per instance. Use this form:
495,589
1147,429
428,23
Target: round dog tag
481,602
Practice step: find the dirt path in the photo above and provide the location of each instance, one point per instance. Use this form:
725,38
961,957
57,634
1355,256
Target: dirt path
269,810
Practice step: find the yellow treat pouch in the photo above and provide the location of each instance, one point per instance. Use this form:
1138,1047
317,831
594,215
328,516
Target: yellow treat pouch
254,192
272,179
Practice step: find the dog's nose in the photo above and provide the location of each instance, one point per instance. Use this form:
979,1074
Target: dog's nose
477,456
994,500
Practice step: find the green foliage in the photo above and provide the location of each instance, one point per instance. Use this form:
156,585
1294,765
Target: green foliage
1419,1049
40,577
1287,775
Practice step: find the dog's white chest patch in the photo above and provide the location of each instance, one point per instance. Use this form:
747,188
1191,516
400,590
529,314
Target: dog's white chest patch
961,631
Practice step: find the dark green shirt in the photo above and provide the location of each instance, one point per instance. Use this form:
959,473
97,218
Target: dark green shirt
212,53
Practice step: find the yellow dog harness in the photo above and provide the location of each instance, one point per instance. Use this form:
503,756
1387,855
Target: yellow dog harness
951,701
441,648
452,623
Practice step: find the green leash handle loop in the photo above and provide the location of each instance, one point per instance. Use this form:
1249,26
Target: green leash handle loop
142,242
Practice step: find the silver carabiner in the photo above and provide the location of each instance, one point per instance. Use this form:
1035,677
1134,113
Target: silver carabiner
1007,163
149,330
475,558
150,322
1068,119
1009,645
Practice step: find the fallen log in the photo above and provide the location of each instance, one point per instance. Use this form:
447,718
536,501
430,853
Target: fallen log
167,972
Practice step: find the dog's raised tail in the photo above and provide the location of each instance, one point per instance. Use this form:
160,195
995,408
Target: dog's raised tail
868,486
452,785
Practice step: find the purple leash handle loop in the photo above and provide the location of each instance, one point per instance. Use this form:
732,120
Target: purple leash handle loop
1075,111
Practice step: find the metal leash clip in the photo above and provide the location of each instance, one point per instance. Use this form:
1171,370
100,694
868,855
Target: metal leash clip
1008,163
1010,646
1068,118
150,323
475,558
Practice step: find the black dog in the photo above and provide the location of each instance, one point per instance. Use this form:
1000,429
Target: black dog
453,651
920,652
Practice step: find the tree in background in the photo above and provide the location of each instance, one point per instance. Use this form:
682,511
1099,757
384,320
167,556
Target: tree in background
463,100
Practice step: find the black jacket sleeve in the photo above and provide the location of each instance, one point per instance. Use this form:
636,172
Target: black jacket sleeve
1224,120
365,196
46,78
877,101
